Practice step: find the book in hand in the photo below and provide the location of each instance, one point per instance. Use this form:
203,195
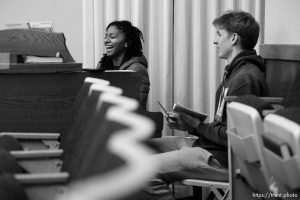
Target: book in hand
181,109
39,59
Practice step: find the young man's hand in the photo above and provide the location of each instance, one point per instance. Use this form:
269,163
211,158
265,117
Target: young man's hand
182,122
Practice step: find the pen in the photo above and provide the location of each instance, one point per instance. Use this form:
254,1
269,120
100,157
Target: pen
167,114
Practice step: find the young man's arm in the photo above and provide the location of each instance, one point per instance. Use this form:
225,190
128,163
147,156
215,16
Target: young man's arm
216,132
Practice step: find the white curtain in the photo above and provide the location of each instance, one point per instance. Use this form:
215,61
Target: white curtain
179,35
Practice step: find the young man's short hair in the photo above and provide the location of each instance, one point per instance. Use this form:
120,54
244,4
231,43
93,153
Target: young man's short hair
243,24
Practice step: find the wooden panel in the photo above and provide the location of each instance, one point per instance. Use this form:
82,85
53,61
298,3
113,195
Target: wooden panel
42,102
281,76
280,52
282,66
39,68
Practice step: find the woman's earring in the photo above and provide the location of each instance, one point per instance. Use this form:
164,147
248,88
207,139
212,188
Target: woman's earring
125,45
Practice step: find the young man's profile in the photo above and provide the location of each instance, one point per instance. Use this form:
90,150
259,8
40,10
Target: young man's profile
206,158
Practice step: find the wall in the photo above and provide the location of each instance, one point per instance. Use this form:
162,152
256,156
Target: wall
282,25
66,16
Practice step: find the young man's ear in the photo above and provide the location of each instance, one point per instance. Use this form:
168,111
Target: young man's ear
235,38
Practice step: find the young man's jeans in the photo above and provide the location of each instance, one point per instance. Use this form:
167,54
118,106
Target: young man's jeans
179,160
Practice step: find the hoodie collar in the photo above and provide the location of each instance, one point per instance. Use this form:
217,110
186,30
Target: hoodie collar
248,56
135,59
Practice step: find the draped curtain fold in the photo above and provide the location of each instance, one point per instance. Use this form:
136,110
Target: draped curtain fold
183,64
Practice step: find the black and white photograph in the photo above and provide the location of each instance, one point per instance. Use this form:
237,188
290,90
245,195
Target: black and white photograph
149,99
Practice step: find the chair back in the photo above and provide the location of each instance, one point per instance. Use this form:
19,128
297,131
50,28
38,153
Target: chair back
84,118
97,129
245,128
84,91
281,145
127,161
82,96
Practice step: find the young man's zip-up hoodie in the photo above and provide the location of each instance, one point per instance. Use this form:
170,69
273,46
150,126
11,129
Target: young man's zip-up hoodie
243,76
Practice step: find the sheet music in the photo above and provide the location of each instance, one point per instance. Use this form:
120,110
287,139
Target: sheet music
45,26
17,25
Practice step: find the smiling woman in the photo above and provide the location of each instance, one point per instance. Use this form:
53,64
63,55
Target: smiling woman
123,48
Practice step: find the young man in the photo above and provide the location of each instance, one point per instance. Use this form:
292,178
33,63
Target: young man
206,157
